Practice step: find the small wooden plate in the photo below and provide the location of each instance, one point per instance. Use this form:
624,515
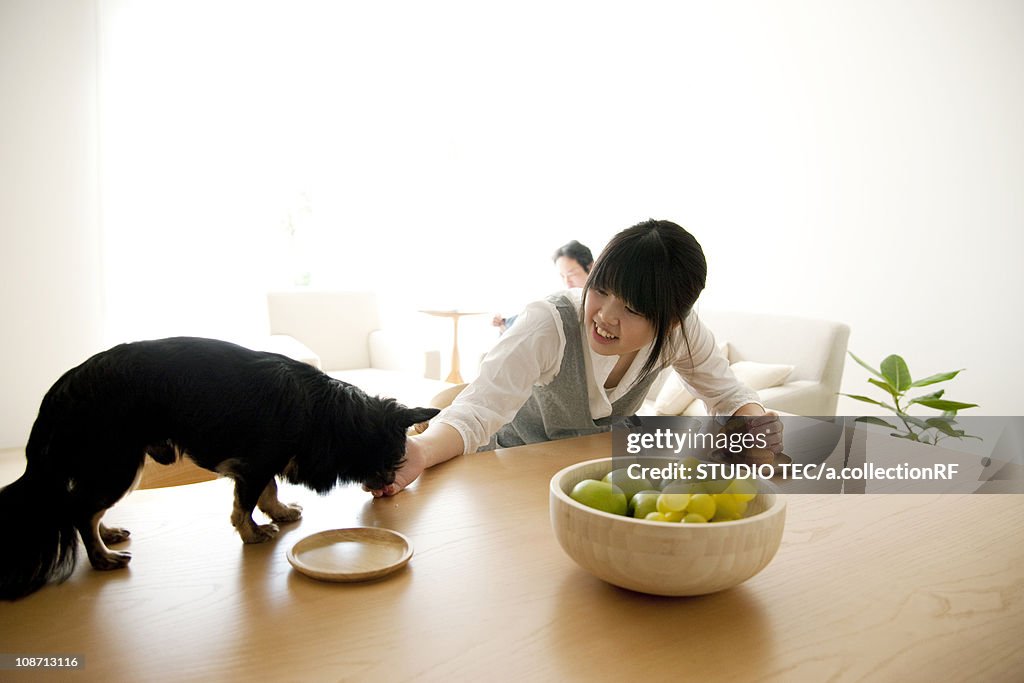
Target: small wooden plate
356,554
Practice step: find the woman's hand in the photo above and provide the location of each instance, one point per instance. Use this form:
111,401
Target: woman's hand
440,442
762,425
768,427
411,469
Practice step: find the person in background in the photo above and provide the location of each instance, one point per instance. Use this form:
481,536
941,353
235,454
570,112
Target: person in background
581,361
573,261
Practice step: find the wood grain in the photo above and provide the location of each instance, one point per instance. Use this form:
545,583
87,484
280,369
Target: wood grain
870,587
184,471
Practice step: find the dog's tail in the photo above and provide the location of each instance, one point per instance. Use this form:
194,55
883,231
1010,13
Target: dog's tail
41,540
40,536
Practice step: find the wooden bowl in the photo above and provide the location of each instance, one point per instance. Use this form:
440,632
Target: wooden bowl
658,557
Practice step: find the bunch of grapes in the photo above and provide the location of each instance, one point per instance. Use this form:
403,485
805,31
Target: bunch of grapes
697,503
677,502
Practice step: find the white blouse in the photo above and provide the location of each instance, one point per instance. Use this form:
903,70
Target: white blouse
530,353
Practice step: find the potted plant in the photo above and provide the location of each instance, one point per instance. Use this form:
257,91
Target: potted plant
893,377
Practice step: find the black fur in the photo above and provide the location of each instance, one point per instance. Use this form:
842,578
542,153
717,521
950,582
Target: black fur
247,414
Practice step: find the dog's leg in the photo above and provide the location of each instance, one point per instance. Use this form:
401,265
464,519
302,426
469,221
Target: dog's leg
100,556
113,535
241,516
274,508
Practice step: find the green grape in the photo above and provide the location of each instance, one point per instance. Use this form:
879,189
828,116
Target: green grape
716,485
728,507
600,495
643,503
702,504
627,484
688,465
742,489
671,500
694,518
673,516
656,517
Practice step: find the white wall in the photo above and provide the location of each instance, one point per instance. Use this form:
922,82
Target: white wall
859,161
852,160
50,301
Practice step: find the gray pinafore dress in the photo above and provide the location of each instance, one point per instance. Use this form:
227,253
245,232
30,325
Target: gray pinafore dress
561,408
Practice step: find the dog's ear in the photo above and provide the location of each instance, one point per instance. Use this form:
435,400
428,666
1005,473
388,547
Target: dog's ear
407,417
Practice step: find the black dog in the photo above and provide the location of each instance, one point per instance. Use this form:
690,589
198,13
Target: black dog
245,414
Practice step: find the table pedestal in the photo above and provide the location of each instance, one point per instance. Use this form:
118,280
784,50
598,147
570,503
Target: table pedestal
455,376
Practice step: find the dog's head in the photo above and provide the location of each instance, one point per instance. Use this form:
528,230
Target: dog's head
388,443
363,441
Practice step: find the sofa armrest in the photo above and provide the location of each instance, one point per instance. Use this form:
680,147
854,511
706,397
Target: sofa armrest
391,351
802,397
812,399
287,345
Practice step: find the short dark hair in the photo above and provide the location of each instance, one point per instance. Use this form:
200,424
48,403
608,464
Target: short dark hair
658,269
578,252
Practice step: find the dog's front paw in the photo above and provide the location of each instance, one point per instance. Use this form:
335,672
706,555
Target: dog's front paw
258,533
113,535
285,513
110,560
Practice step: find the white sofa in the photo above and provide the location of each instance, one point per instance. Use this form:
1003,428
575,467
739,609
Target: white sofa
340,332
808,354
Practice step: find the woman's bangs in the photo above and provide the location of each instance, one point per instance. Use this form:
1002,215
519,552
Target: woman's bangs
631,280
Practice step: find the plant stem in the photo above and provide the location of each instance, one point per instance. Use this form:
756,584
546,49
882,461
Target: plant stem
900,414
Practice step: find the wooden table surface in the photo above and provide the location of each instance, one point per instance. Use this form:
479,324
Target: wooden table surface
869,587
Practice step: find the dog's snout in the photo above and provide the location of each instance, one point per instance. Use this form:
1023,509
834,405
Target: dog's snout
379,481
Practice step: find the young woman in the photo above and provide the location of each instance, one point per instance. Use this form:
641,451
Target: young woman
583,360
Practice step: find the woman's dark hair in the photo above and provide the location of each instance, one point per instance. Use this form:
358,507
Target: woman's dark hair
657,269
578,252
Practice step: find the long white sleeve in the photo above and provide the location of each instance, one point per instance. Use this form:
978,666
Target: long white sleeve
706,371
529,353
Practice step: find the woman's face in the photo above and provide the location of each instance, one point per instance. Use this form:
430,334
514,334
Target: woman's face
571,272
614,329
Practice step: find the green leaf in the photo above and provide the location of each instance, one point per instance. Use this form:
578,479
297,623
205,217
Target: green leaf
935,379
864,365
918,399
870,419
865,399
943,404
885,386
917,422
944,427
896,372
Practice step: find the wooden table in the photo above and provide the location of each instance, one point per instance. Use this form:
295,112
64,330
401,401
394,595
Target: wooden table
868,587
455,376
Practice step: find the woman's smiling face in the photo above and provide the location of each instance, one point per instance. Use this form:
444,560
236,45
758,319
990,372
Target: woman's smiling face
613,328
